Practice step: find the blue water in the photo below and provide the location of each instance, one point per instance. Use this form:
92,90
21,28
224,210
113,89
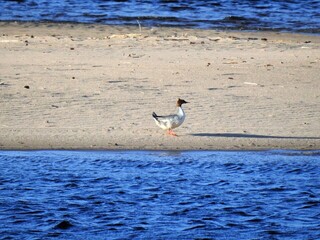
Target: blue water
159,195
274,15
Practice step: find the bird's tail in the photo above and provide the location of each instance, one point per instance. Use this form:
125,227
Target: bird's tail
155,116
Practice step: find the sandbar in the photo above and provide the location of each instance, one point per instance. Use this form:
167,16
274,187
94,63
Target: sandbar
83,86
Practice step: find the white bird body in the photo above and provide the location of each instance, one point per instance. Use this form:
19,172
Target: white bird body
170,122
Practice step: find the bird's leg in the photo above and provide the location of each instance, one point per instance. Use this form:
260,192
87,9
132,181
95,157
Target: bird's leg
170,132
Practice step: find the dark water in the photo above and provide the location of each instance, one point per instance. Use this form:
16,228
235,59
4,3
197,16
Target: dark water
275,15
159,195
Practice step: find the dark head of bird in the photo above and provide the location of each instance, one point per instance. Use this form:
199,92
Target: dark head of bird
180,102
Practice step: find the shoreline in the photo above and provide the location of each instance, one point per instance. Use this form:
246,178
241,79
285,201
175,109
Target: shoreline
94,87
285,151
137,27
48,27
86,140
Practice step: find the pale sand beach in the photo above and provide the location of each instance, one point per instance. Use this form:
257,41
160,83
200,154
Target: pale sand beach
74,86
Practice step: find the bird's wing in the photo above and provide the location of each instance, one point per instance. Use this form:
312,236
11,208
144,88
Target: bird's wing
167,117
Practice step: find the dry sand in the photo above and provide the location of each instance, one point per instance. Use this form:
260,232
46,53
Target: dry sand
73,86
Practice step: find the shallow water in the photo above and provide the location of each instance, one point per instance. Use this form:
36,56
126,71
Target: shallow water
159,195
278,15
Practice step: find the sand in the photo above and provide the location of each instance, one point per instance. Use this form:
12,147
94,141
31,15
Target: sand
75,86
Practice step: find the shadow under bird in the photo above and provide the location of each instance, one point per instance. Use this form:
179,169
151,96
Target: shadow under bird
172,121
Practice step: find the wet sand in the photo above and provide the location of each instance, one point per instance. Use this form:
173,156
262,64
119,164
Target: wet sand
74,86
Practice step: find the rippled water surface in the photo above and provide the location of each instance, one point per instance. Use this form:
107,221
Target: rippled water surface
159,195
279,15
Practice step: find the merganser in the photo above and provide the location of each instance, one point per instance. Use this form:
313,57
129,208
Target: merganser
171,121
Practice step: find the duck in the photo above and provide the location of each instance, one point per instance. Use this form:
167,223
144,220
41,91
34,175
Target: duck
172,121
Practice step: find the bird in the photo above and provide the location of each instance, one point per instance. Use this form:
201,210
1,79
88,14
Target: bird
172,121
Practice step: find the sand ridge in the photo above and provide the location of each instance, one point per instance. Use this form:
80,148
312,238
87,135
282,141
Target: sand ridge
80,86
